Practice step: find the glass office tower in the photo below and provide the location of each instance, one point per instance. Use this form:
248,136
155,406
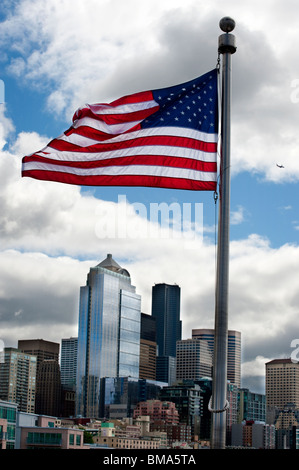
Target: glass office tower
166,310
109,332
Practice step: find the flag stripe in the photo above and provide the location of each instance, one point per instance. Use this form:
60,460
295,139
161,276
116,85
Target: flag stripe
123,180
66,146
113,116
191,153
149,160
77,135
169,172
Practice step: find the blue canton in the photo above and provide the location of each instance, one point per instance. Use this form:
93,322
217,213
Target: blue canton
193,104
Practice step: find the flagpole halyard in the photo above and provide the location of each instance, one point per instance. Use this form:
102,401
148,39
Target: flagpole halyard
219,404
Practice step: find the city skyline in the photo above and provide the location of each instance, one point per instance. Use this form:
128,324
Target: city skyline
52,233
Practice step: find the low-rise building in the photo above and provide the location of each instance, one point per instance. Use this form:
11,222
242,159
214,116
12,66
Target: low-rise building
51,438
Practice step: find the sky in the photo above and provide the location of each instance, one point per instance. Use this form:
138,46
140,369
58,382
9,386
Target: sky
57,55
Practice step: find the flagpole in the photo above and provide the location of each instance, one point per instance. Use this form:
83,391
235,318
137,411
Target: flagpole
219,403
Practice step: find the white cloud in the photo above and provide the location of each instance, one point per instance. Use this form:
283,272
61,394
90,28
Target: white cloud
238,216
255,368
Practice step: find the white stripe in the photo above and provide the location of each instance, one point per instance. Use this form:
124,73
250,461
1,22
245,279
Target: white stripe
82,141
169,172
172,151
103,127
122,109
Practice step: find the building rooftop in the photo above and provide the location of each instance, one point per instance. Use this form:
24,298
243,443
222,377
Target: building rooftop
280,361
112,265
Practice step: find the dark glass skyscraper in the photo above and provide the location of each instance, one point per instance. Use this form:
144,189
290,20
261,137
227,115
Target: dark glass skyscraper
166,301
109,332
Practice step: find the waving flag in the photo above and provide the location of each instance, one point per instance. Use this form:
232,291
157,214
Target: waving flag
163,138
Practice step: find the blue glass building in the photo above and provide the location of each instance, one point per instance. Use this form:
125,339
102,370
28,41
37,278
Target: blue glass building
166,301
108,332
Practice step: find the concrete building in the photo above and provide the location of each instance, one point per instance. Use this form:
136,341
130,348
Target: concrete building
18,379
51,438
48,389
252,434
233,351
8,420
282,386
148,347
157,410
193,359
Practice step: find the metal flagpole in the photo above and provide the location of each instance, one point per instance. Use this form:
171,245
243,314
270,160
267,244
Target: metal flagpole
219,403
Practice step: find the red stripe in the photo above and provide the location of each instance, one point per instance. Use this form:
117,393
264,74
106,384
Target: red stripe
135,98
126,180
174,141
150,160
95,134
115,118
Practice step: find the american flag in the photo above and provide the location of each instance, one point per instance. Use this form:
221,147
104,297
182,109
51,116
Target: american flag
163,138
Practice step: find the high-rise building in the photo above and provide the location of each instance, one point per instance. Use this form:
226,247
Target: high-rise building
120,395
48,389
282,386
109,332
148,348
193,359
17,379
166,369
41,349
233,351
188,400
44,351
251,406
68,361
166,310
68,371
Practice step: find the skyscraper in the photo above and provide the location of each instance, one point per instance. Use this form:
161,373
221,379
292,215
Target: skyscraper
44,351
233,351
40,348
282,386
166,309
148,348
193,359
68,361
48,389
17,379
109,332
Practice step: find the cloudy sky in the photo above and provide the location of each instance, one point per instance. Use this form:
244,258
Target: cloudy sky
57,55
